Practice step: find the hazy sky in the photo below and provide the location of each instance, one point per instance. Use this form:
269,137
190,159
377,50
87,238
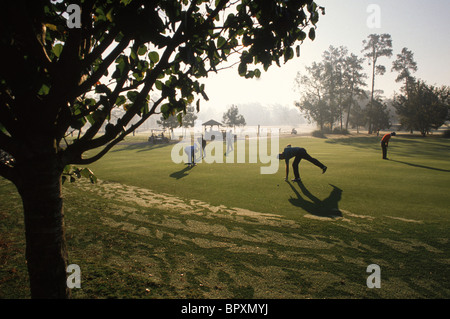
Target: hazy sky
421,26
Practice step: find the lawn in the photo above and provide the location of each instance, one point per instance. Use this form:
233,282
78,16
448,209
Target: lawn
152,228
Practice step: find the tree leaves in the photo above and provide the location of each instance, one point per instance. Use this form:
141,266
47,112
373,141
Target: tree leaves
127,38
422,107
221,42
44,90
375,47
232,117
242,69
132,95
72,172
154,56
312,34
102,88
165,110
142,50
330,85
57,49
122,63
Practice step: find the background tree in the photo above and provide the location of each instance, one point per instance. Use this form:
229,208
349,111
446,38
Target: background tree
313,92
329,88
375,47
123,50
169,123
379,115
353,79
189,117
232,117
425,107
333,61
358,117
404,65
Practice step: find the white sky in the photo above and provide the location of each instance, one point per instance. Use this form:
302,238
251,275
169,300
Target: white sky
421,26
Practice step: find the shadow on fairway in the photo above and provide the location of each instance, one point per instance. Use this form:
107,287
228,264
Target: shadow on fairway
402,144
372,142
182,173
421,166
139,147
321,208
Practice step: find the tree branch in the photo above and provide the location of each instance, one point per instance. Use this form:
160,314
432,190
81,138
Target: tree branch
94,78
114,135
8,144
107,148
98,50
6,115
8,172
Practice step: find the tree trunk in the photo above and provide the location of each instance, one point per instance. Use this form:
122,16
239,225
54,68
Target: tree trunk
349,107
40,188
348,116
374,61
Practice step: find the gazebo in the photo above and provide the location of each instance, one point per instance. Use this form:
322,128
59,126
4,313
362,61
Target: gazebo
212,123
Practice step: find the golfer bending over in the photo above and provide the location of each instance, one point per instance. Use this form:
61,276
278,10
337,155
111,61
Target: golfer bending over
190,151
385,143
298,153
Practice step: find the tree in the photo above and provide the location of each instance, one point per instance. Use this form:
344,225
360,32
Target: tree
404,65
334,60
376,46
124,50
353,80
329,88
170,123
379,115
232,117
313,91
425,107
358,117
189,117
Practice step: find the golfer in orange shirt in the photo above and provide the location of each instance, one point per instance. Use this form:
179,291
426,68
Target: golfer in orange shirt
385,142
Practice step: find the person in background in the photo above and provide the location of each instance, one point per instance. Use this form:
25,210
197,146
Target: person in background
229,142
202,142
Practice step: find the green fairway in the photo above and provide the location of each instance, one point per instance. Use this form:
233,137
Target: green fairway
152,228
414,183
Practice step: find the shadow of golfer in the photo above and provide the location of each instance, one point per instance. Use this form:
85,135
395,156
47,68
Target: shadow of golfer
182,173
422,166
321,208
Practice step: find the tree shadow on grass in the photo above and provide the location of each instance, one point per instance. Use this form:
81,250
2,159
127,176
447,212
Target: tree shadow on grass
421,166
210,251
402,144
358,141
139,147
327,208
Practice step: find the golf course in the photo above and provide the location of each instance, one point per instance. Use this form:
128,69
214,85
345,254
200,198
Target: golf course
152,228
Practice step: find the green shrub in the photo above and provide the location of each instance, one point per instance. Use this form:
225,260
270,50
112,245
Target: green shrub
447,133
318,133
338,130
